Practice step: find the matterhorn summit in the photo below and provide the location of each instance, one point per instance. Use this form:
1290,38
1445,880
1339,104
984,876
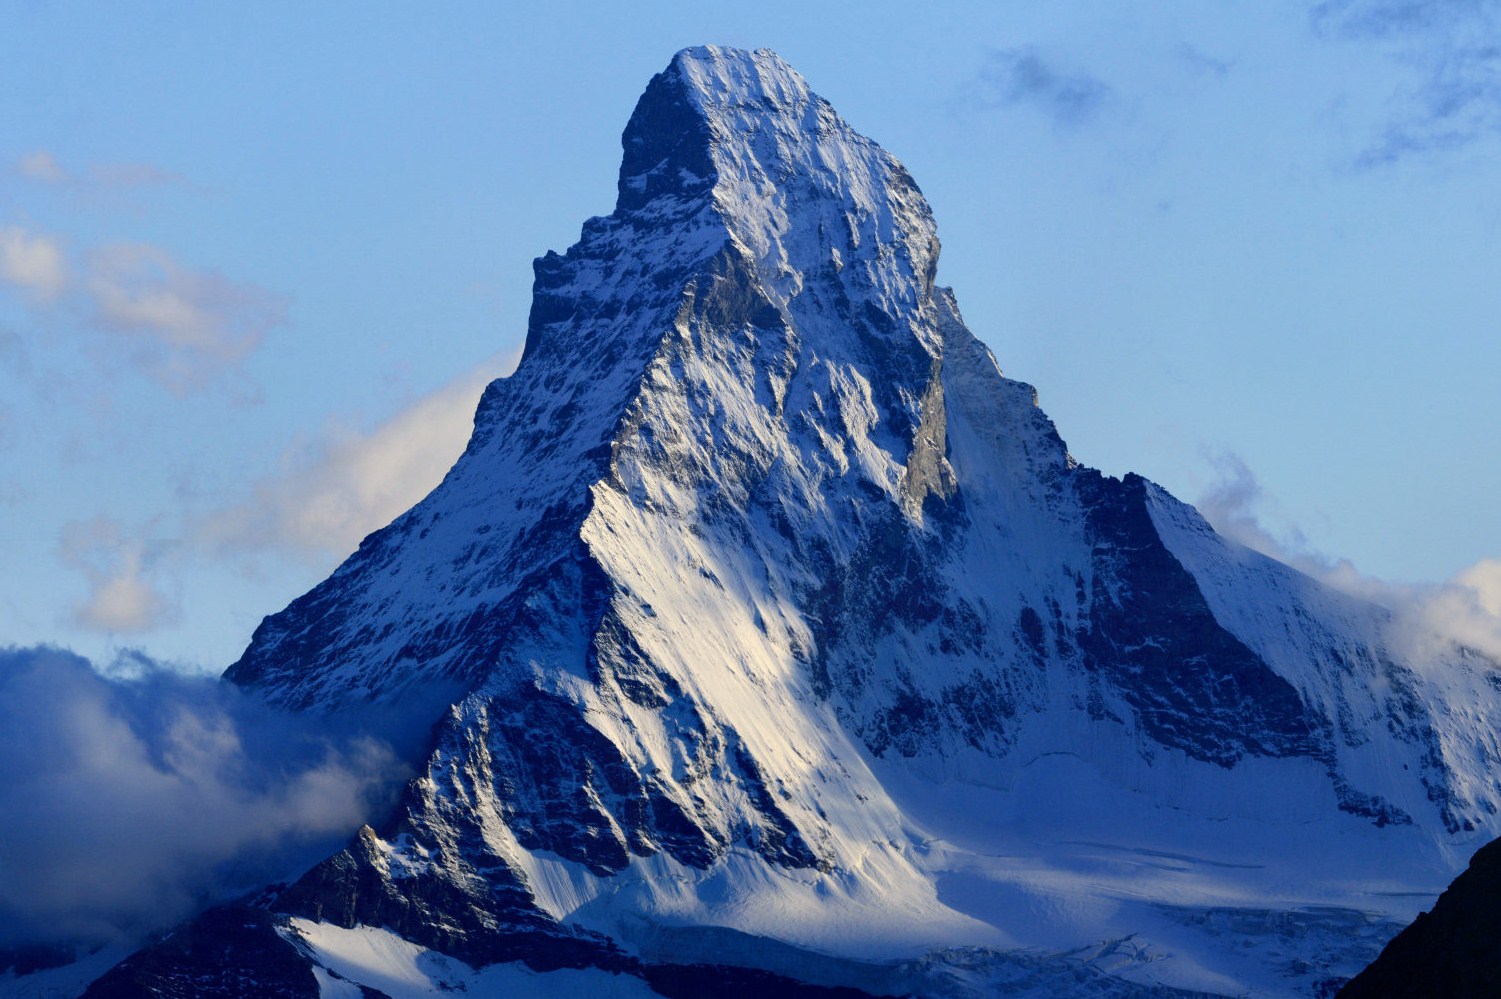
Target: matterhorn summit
772,643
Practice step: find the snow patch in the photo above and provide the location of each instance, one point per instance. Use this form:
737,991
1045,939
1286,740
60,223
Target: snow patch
379,959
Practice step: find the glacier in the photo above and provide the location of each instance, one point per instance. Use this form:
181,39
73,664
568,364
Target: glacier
773,640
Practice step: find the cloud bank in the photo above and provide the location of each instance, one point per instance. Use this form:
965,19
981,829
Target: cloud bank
129,802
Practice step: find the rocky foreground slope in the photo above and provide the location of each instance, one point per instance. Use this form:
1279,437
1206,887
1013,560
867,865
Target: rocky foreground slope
774,641
1451,952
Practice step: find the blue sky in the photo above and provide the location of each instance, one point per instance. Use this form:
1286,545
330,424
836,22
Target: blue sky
257,260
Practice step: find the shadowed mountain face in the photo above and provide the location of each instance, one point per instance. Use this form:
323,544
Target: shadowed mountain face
777,633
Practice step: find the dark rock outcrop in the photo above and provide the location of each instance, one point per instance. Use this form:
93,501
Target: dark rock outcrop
1450,952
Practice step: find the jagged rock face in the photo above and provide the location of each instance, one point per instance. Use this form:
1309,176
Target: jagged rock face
756,528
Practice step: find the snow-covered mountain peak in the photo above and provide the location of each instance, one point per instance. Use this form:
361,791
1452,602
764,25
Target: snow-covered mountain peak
799,190
759,302
720,77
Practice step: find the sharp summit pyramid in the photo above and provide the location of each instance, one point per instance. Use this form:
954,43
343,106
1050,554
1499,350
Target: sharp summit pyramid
776,645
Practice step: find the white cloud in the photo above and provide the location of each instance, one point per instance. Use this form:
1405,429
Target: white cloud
32,262
1484,580
334,490
187,324
1428,619
122,598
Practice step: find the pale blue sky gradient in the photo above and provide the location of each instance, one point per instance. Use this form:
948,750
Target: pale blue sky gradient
246,250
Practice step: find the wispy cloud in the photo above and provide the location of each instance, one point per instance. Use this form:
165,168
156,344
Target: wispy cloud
33,262
1449,56
1024,76
329,492
183,326
1200,63
131,802
43,167
13,493
186,325
337,488
1234,504
123,597
1428,619
1386,18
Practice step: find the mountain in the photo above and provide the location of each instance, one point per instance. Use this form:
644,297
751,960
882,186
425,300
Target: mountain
773,641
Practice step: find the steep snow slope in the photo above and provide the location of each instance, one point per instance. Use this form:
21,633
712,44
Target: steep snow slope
783,632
